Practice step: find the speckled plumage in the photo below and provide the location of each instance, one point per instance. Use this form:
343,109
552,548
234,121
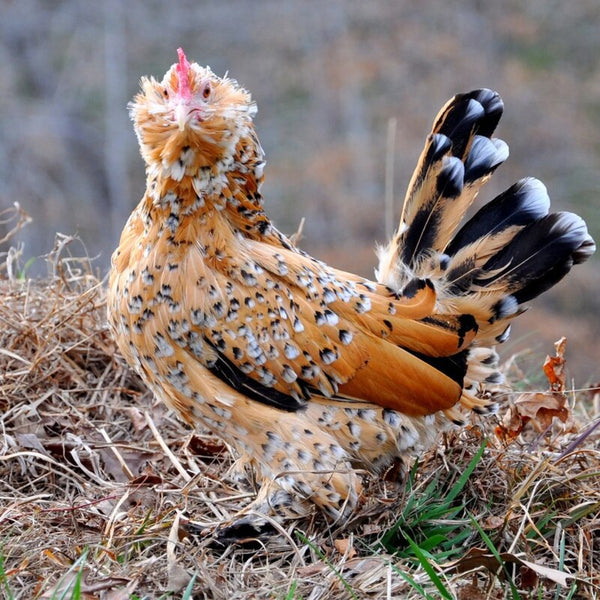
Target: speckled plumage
305,370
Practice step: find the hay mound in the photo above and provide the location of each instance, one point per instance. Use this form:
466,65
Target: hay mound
96,480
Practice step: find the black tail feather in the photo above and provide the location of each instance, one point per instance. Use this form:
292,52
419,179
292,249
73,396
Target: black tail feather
484,157
458,158
477,112
539,256
488,266
521,204
509,252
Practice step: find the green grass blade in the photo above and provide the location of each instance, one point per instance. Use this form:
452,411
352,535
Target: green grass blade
76,595
433,576
426,516
494,551
76,592
320,554
187,594
413,583
4,580
561,563
433,541
292,591
460,484
572,591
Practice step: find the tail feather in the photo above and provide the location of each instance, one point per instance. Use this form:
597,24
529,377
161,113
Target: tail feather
458,158
509,252
476,112
484,157
521,204
539,256
491,229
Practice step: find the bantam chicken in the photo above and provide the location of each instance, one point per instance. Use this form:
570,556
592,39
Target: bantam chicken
309,372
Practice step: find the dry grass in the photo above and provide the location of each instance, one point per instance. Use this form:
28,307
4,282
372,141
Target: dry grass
97,479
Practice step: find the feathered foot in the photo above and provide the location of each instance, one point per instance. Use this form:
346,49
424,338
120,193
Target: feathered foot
334,492
258,521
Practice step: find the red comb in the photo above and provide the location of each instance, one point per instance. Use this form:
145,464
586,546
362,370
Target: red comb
183,70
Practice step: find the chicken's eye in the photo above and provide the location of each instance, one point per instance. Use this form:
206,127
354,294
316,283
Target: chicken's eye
165,93
206,90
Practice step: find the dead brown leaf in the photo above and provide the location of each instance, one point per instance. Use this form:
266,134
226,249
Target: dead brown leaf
539,408
554,366
529,578
471,592
146,479
206,447
344,547
493,522
137,418
477,558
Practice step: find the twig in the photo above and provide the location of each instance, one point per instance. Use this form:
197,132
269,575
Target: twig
187,477
117,454
390,157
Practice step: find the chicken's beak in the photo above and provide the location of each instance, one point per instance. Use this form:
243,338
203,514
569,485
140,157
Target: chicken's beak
181,115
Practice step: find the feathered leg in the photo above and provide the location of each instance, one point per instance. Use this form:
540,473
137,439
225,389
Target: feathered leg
300,460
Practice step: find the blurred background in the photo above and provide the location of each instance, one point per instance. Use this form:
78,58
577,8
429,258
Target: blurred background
328,77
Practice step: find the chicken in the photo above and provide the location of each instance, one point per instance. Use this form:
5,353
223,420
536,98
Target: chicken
308,372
